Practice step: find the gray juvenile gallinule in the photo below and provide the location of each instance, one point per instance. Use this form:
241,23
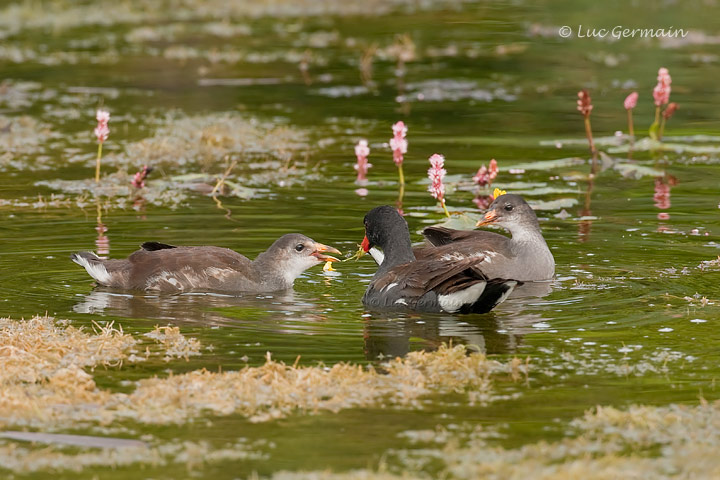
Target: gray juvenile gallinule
165,268
441,281
525,256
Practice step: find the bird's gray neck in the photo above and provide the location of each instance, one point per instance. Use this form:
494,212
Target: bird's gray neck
267,273
396,253
528,244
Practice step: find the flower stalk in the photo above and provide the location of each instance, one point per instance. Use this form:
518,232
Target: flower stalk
101,132
661,96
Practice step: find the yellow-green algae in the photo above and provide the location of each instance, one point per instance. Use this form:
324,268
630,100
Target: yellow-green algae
21,459
46,385
641,442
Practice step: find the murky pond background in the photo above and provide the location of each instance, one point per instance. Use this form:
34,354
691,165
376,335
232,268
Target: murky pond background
287,89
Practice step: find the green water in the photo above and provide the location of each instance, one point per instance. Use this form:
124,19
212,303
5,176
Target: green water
620,282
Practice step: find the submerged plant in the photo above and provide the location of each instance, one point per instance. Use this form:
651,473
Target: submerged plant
361,152
436,173
629,104
101,132
399,146
661,96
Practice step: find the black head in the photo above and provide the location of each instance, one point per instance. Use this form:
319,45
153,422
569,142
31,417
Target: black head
509,211
384,226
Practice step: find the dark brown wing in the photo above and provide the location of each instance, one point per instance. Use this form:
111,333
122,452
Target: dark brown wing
464,240
411,281
186,268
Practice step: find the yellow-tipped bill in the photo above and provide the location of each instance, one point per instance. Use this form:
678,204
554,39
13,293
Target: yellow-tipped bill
490,217
319,247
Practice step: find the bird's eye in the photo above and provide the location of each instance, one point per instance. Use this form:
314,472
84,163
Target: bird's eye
299,247
508,207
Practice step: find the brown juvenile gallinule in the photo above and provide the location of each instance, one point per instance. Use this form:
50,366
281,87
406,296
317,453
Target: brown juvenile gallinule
441,281
166,268
525,256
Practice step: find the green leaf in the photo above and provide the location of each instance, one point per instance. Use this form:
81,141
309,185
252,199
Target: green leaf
653,132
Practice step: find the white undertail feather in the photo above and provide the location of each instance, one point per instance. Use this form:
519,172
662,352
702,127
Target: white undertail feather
96,270
454,301
511,285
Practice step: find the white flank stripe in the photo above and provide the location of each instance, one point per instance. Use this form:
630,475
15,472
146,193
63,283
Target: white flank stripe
387,289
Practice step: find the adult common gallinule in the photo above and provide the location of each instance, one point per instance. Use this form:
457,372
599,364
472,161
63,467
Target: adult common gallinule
525,256
441,281
166,268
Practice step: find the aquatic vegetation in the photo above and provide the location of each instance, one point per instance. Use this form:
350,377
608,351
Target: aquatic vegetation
17,95
666,114
46,360
484,178
486,175
436,173
361,152
190,151
138,180
454,90
661,96
584,106
18,458
630,103
674,441
20,137
399,145
174,343
276,390
101,132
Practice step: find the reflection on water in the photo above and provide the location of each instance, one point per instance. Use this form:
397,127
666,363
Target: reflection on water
393,337
193,308
102,242
288,312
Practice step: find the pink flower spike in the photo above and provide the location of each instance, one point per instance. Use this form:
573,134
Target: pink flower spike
486,175
493,169
584,104
669,110
138,180
398,144
102,131
436,173
631,101
102,116
661,92
482,177
399,130
361,152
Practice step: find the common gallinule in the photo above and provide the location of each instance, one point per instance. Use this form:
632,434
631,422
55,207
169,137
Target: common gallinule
441,281
525,256
166,268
